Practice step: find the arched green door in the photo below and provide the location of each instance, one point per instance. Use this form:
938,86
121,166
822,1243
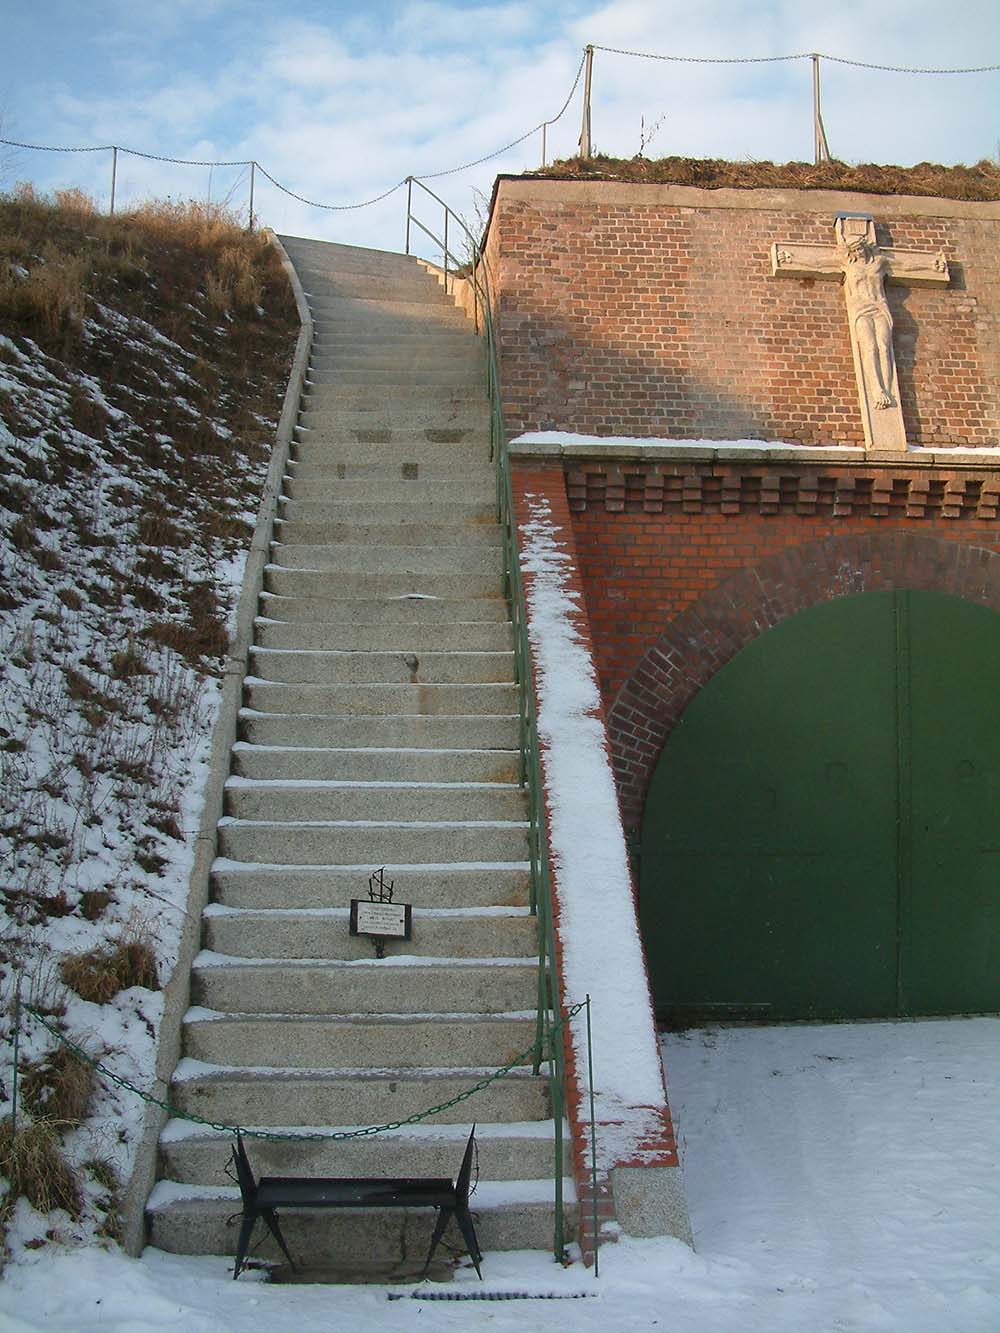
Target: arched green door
821,836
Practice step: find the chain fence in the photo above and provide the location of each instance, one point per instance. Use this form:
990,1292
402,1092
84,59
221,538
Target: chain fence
535,1051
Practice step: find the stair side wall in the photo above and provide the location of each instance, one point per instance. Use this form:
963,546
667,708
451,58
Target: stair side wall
177,988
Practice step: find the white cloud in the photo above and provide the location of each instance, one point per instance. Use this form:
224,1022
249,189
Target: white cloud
342,109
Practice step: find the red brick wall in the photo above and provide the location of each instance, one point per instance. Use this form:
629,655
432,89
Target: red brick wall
682,565
620,315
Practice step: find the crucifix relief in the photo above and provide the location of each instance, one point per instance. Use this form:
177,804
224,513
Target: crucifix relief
865,267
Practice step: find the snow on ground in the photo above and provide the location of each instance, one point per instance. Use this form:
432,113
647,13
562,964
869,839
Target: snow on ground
841,1177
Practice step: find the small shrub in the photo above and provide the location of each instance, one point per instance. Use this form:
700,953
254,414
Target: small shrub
129,662
33,1162
93,903
59,1087
100,974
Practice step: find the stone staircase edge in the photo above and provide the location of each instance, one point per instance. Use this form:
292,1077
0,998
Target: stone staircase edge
177,988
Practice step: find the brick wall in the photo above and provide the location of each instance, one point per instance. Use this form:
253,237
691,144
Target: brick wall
651,311
682,564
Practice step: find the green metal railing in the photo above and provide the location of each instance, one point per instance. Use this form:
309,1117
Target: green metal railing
472,269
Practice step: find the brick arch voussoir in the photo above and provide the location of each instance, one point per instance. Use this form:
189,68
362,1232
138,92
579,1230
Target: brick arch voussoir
702,639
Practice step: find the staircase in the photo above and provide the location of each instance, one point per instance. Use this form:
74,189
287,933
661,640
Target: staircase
379,728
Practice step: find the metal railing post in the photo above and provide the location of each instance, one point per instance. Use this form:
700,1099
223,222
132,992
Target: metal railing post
253,166
585,145
446,251
114,178
821,149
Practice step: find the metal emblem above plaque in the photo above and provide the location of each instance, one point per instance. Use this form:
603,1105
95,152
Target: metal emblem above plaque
380,917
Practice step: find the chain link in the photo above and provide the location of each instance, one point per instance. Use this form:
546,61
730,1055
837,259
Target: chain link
332,1135
799,55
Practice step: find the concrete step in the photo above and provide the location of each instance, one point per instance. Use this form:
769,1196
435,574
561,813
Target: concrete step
370,842
335,429
375,765
353,458
321,257
355,1235
328,667
468,423
419,395
463,732
267,696
357,1041
317,888
415,287
360,637
298,532
391,610
377,314
508,1152
348,558
281,800
356,1097
391,379
374,987
442,933
329,584
465,488
479,514
449,352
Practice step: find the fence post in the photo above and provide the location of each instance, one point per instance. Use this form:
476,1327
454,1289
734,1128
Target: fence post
446,252
585,126
544,128
821,149
253,166
409,209
16,1043
114,178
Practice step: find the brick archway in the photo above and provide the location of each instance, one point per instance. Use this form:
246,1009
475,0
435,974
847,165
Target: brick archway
694,646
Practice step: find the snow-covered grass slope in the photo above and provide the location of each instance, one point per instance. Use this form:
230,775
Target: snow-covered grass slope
143,360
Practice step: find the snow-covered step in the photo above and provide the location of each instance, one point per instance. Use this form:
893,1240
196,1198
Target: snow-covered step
357,842
358,1041
374,764
199,1226
328,583
282,799
324,933
397,985
419,560
469,485
447,731
413,609
329,666
445,884
518,1151
285,1096
471,636
273,697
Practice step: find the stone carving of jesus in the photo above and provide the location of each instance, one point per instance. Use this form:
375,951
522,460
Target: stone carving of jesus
865,270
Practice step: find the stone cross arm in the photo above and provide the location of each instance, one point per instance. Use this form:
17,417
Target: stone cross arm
916,268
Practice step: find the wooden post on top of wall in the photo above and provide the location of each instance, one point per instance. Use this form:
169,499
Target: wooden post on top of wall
585,149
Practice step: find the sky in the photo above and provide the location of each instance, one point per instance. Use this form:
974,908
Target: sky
340,101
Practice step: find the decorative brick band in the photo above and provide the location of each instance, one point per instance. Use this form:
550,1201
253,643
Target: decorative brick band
694,488
693,647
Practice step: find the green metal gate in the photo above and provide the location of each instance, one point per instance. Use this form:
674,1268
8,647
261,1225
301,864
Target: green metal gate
822,833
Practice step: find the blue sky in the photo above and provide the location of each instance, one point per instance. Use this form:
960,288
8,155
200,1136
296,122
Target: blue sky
340,101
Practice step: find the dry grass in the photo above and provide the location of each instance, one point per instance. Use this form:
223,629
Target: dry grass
59,1088
33,1163
978,182
100,974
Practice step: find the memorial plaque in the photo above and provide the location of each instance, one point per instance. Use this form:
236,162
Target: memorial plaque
385,919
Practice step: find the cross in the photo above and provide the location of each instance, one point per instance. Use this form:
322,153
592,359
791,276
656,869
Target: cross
865,267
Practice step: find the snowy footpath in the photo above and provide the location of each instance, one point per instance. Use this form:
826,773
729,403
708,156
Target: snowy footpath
842,1177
